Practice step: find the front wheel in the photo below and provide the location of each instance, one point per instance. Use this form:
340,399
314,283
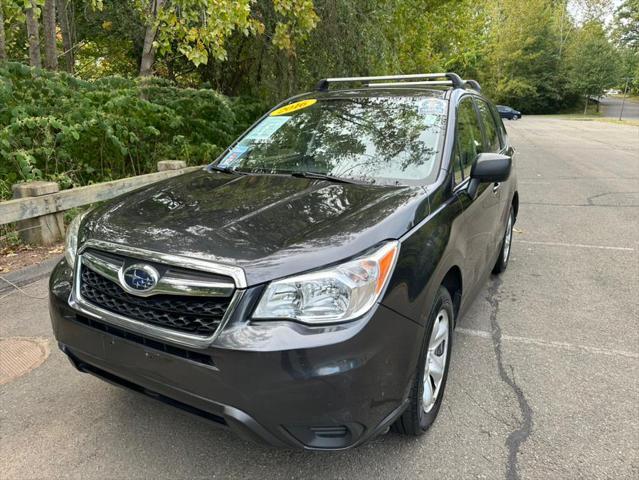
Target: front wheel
504,252
427,391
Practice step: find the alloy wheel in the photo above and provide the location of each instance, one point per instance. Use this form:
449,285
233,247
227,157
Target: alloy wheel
436,360
508,237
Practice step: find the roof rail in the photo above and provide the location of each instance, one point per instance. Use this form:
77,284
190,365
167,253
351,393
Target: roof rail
418,79
474,84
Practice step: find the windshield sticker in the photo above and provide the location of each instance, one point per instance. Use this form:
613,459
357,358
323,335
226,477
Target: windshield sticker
432,106
234,155
293,107
266,128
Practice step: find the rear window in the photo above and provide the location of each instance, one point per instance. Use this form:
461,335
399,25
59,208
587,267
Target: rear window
494,145
377,139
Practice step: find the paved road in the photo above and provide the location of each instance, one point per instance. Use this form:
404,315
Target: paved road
544,381
611,107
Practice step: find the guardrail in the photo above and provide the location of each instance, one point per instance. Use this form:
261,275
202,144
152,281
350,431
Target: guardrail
38,206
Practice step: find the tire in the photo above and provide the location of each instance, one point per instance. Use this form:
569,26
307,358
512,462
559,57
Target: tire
506,243
420,415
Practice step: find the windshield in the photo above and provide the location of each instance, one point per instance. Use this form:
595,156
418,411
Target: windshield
374,139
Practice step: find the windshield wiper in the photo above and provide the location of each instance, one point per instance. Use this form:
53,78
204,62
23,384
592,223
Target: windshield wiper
217,168
323,176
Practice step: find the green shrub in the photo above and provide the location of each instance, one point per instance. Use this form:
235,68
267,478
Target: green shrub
55,126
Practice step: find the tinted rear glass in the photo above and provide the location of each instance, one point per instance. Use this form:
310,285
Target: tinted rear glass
376,139
489,126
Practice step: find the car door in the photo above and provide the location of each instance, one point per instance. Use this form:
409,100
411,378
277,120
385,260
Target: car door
481,214
493,144
505,148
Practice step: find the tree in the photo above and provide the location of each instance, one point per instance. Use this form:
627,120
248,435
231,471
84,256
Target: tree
440,38
199,29
352,37
3,40
592,61
626,22
149,48
586,11
626,35
192,27
65,19
33,34
50,48
522,62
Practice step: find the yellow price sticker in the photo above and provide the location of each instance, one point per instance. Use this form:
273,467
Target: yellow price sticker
293,107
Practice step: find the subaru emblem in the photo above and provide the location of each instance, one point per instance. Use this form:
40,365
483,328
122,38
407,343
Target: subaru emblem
139,278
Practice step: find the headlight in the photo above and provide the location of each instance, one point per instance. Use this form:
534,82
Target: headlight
71,242
337,294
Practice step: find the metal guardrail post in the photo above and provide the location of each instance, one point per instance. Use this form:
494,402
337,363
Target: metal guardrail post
45,229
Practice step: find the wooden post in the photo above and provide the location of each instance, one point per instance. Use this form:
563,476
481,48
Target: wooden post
46,229
165,165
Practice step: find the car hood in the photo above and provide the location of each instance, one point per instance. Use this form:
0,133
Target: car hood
269,225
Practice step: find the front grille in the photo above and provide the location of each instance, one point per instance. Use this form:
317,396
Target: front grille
195,315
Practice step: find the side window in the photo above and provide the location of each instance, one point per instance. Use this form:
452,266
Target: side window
494,145
500,126
457,166
469,138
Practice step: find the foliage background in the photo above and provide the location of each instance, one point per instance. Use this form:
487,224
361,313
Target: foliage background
55,126
216,65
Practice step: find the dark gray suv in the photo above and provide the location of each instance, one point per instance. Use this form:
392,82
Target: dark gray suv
302,289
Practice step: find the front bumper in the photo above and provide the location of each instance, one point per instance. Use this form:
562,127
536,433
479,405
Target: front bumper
280,383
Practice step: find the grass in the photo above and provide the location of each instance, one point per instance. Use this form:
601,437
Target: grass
594,118
579,110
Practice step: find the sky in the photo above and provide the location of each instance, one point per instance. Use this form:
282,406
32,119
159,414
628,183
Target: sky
578,9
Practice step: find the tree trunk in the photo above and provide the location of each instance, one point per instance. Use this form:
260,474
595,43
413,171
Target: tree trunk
148,50
586,107
34,36
50,48
3,45
67,34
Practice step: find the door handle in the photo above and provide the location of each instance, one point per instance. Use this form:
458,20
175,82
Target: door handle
496,187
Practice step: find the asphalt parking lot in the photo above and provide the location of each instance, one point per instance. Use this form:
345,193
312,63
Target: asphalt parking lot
611,107
544,381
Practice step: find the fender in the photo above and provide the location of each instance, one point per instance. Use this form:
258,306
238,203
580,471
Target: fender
428,252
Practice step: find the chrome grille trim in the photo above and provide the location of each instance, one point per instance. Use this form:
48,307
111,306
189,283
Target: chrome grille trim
168,284
172,336
203,265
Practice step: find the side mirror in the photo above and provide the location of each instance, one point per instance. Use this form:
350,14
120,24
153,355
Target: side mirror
488,168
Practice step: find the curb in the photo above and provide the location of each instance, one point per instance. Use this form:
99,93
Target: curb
29,274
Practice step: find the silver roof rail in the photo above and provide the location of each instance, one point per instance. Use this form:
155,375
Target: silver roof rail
474,84
426,79
394,84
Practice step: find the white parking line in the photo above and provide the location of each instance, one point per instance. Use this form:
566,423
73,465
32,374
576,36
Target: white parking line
550,344
576,245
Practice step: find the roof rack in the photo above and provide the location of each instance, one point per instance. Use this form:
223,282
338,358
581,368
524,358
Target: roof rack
452,79
474,84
